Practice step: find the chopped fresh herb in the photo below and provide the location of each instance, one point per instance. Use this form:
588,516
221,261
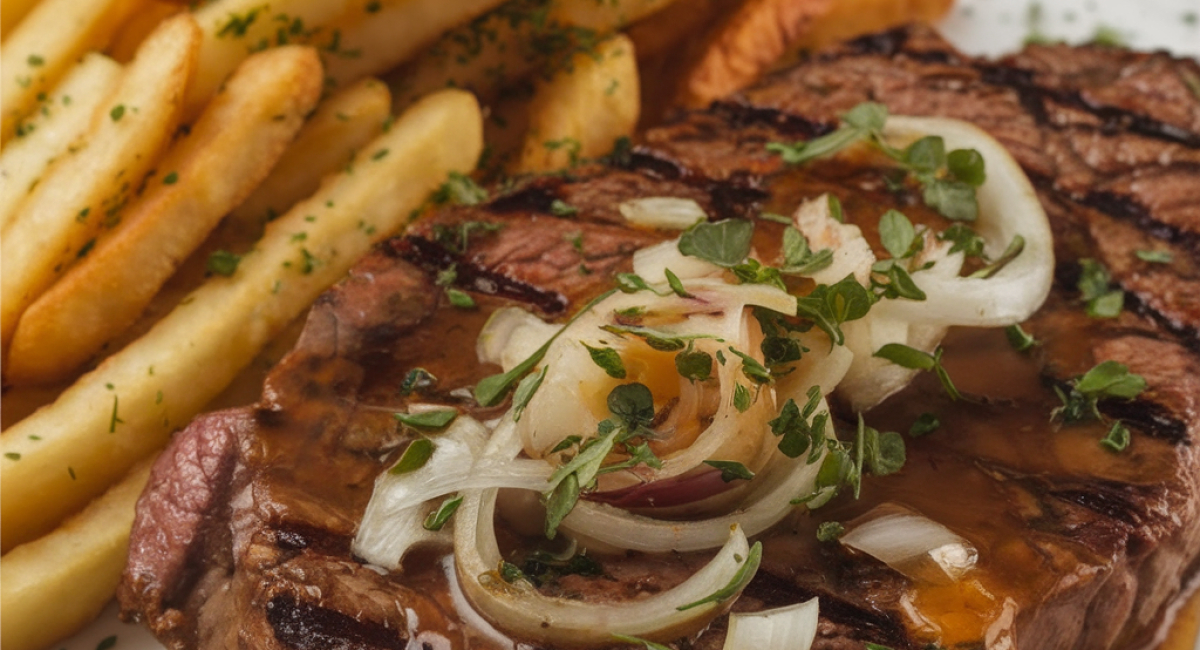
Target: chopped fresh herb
752,368
1015,247
525,391
891,280
1117,438
373,7
830,531
608,359
676,284
1109,379
459,189
828,306
86,248
754,272
107,643
460,299
438,419
117,112
379,155
796,434
510,572
724,243
1019,338
740,579
780,351
1108,36
223,262
908,357
237,25
965,240
171,178
1094,288
925,424
438,518
631,283
416,454
566,443
1154,256
835,209
967,166
560,208
741,398
490,390
860,122
883,452
897,233
12,455
954,200
310,263
35,60
660,340
777,218
798,259
731,470
542,568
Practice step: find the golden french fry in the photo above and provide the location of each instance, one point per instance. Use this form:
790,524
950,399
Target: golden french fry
80,194
583,108
506,45
51,132
342,124
234,28
850,18
52,586
60,457
46,44
373,41
232,147
745,44
129,36
11,13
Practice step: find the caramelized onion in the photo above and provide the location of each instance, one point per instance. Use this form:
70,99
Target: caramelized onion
912,544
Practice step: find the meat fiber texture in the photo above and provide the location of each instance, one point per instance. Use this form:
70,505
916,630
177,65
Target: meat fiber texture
243,537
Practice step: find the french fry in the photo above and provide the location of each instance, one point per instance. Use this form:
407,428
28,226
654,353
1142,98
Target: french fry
64,118
582,109
378,39
129,36
52,586
342,125
509,43
45,45
232,147
744,45
232,29
11,13
81,192
65,454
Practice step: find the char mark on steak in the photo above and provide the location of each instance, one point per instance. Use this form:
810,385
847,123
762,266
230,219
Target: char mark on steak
242,538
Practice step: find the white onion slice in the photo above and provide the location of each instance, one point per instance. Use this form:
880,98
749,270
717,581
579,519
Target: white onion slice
909,543
851,252
784,628
394,518
1008,206
665,212
510,336
602,527
651,263
523,612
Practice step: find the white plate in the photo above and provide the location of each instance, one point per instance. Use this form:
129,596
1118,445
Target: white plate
988,27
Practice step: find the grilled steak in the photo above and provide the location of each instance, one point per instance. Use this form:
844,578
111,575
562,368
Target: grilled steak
243,537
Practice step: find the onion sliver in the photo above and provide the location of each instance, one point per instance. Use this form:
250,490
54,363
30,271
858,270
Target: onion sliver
1008,206
524,612
784,628
908,542
666,212
602,527
651,263
394,518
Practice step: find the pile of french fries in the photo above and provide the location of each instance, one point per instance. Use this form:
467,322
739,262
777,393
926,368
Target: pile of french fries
177,187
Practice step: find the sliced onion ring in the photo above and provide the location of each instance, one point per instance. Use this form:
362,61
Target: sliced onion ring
910,543
524,612
793,627
1008,206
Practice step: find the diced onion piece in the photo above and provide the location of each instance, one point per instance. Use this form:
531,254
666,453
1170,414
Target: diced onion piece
1008,206
784,628
510,336
651,263
393,521
852,255
524,612
909,543
666,212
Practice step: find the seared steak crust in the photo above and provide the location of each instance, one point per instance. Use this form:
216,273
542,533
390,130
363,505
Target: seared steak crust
242,540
